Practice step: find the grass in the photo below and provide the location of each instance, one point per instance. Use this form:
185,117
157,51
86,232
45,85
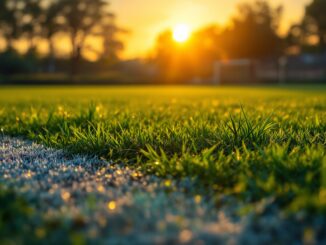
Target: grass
250,143
22,224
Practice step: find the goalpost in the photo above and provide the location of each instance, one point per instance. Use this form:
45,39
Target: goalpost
234,71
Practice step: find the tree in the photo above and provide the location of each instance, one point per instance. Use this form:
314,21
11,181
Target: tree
206,45
11,13
81,19
253,33
111,45
315,14
31,21
50,24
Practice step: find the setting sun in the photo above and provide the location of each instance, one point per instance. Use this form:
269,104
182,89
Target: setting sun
181,33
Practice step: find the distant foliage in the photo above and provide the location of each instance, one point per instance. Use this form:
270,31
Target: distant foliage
310,33
252,34
79,20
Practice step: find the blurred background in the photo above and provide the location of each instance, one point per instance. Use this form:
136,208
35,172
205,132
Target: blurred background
173,42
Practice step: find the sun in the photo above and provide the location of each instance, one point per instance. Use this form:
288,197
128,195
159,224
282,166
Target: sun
181,33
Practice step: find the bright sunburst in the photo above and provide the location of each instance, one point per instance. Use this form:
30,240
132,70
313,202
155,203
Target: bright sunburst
181,33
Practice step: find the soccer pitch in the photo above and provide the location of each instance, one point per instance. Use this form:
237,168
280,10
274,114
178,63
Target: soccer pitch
250,144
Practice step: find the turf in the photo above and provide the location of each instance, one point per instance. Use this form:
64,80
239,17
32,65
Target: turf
253,144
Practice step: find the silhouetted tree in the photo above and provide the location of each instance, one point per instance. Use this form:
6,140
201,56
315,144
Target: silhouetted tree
206,45
253,33
31,21
11,14
295,35
81,19
111,44
309,35
51,25
316,16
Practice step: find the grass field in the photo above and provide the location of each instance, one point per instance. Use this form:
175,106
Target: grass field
256,145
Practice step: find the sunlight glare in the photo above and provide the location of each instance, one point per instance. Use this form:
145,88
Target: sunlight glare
181,33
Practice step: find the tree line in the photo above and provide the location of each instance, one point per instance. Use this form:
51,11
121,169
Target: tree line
252,34
32,20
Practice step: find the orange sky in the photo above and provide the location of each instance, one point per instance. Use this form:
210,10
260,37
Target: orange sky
147,18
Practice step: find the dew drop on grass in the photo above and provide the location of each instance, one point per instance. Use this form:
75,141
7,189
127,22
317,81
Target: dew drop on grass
185,236
167,183
101,189
198,199
112,205
65,196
